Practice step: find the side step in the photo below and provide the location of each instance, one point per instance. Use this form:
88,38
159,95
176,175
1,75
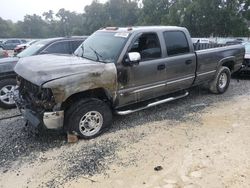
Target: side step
126,112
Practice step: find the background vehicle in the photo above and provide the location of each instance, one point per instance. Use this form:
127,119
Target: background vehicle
246,63
3,53
21,47
234,42
10,44
7,75
118,70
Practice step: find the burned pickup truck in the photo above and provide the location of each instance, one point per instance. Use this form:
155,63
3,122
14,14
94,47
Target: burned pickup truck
118,71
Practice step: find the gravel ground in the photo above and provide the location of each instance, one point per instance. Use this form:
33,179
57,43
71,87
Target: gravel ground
20,145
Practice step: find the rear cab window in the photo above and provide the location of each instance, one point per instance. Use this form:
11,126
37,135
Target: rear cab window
176,43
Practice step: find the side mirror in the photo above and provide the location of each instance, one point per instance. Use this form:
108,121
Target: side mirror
133,58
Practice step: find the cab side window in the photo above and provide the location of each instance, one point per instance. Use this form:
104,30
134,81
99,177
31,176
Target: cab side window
176,43
148,46
74,45
58,48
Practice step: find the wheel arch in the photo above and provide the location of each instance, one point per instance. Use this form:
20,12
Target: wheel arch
99,93
7,76
228,62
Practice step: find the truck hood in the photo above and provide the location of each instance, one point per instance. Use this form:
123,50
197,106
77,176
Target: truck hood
44,68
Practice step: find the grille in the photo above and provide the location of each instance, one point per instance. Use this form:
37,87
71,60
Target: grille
35,96
26,86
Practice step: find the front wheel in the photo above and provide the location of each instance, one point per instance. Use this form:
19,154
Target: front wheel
221,82
88,118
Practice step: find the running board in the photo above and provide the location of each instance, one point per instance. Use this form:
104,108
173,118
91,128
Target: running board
126,112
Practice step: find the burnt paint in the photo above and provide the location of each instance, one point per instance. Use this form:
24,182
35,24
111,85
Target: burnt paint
67,75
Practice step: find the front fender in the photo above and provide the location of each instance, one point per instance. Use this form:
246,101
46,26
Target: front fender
63,88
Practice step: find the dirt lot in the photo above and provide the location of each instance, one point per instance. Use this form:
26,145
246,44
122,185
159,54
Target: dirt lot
200,141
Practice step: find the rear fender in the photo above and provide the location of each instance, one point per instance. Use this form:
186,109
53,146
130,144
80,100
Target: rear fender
230,61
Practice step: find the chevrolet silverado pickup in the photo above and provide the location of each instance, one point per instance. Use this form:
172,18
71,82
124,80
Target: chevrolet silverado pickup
118,71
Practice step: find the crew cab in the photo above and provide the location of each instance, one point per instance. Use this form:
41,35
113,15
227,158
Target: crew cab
118,71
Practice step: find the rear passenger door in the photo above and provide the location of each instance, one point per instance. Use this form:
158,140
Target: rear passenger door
180,61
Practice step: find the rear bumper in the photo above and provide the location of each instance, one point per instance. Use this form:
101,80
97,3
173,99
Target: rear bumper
237,67
246,65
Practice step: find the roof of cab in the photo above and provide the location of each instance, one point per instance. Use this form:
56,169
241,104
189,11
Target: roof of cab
141,28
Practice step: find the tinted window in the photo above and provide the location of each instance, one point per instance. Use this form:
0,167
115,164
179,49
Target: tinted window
176,42
148,46
58,48
15,41
74,45
8,42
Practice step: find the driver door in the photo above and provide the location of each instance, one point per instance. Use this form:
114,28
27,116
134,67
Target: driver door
145,80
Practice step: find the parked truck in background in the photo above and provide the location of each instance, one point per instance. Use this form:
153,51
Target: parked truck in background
118,70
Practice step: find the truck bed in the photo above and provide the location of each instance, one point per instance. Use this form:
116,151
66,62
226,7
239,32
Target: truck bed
219,55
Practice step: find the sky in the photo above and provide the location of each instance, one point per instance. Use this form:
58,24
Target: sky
16,9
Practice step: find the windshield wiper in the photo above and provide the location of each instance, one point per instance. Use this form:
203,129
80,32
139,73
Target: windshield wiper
98,56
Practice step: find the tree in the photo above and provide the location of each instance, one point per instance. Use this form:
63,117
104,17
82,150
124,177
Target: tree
33,25
203,18
7,28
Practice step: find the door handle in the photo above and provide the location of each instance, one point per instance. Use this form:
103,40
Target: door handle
161,67
188,62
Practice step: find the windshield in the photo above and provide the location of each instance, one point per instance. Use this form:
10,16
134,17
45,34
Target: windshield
102,46
247,47
33,49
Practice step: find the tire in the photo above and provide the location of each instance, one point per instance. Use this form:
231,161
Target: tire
7,86
88,118
221,82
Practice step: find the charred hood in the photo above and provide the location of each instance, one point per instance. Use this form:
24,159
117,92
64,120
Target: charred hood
44,68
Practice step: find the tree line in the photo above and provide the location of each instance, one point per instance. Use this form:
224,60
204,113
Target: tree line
203,18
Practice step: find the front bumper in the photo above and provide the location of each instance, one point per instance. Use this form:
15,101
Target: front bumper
51,120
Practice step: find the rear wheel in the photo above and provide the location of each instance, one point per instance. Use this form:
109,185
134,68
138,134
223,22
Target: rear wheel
88,118
7,87
221,82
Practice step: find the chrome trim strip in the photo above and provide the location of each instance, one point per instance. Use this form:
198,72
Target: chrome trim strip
205,73
148,88
126,112
159,85
180,80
